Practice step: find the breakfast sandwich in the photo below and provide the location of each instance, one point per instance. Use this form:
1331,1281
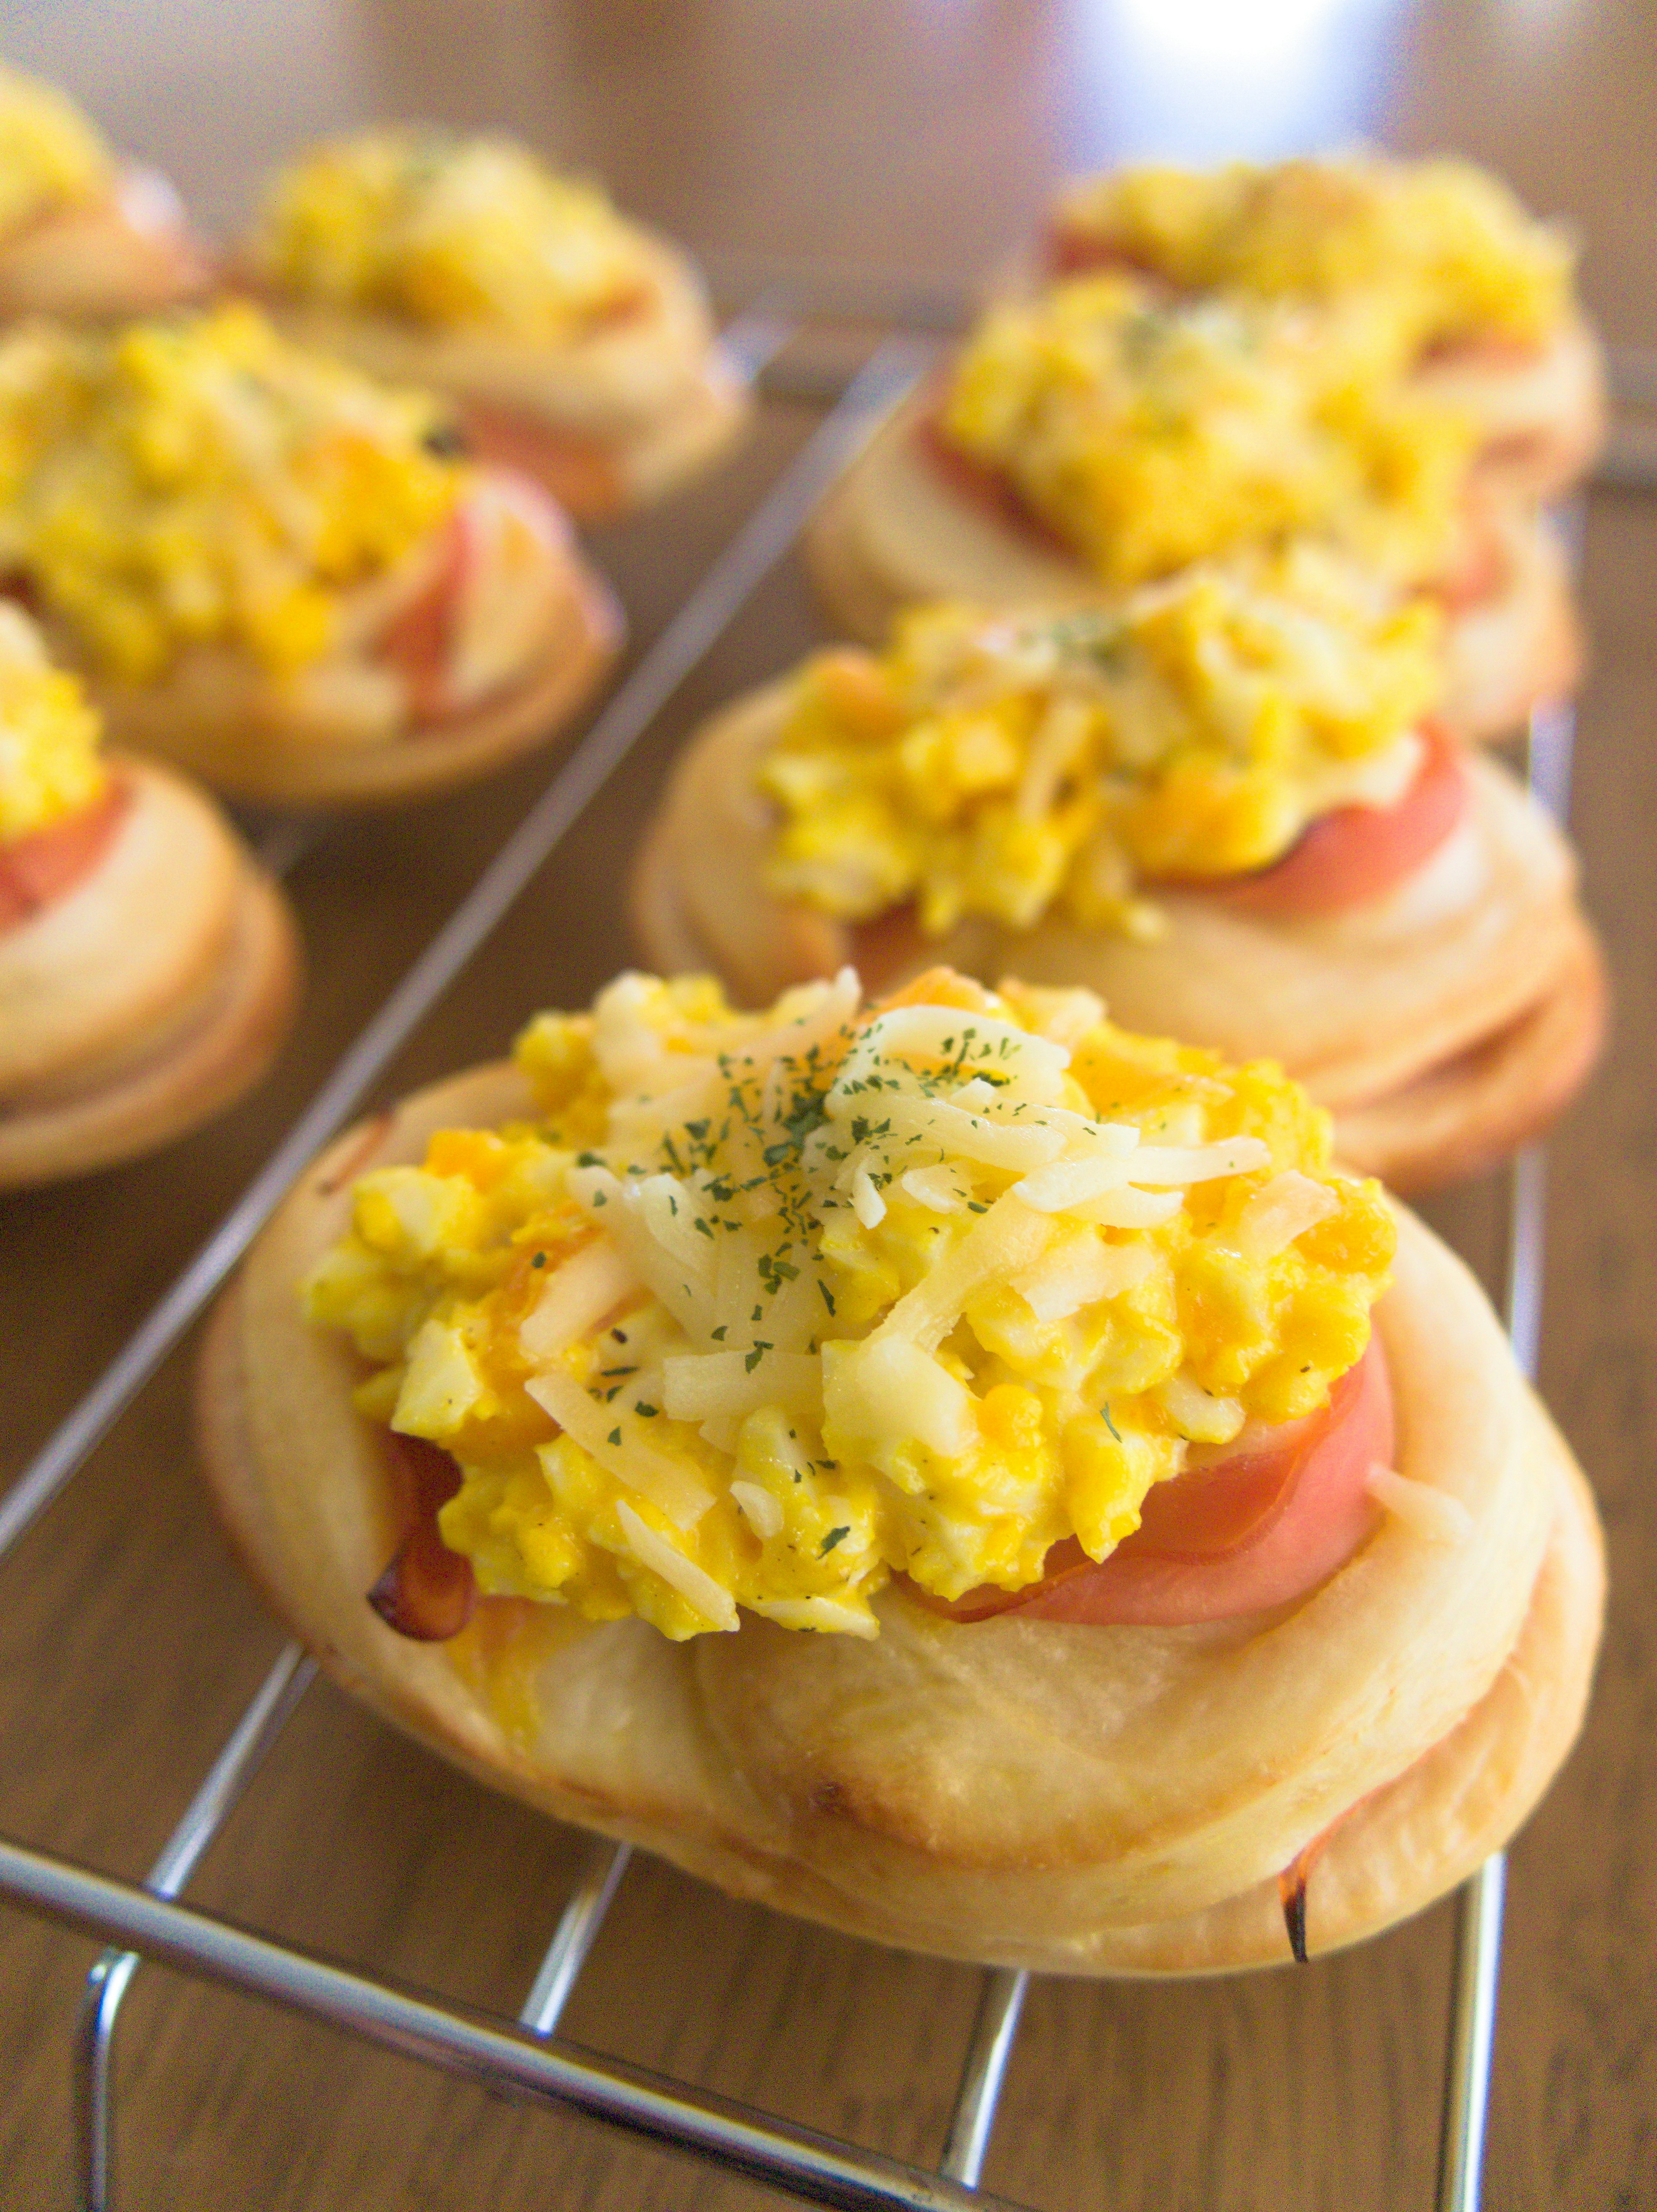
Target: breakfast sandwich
148,969
280,574
576,345
953,1468
1226,806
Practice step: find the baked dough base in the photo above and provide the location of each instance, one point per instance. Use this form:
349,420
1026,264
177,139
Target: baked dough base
150,997
1441,1025
893,530
1080,1801
213,716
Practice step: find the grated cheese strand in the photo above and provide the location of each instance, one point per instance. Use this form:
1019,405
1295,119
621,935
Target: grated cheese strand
669,1485
1432,1514
577,1296
699,1591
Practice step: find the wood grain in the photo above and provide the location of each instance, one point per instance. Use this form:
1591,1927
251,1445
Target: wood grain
898,136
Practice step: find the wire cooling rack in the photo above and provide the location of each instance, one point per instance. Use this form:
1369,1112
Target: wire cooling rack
521,2058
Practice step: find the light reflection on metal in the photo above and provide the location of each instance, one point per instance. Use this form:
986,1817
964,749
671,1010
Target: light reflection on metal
243,1755
577,1931
995,2030
1476,1973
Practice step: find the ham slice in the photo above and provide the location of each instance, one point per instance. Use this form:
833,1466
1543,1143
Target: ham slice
1258,1527
45,866
1354,854
428,1592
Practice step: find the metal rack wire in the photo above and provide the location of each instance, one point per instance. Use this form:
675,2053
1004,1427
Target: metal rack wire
520,2058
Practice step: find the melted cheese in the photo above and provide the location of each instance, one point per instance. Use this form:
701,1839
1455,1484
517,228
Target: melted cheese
684,1375
1152,434
49,767
1009,764
195,479
451,233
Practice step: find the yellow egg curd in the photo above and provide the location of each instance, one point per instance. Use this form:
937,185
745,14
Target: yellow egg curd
454,233
195,479
1151,434
1436,251
1016,763
50,766
51,155
766,1307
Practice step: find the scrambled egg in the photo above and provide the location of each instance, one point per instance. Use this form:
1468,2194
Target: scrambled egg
1006,764
49,767
51,155
767,1308
195,479
452,233
1431,252
1153,433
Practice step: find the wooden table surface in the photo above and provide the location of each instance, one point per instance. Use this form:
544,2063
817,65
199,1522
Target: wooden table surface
912,138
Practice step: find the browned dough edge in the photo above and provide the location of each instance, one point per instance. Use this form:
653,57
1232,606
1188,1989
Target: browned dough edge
199,1074
580,647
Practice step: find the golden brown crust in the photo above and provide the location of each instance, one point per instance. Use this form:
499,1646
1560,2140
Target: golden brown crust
1084,1801
216,722
143,1011
893,532
1479,1107
1449,1020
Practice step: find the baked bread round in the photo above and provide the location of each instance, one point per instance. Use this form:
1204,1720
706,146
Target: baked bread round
1542,412
609,419
895,530
149,996
1079,1800
1441,1024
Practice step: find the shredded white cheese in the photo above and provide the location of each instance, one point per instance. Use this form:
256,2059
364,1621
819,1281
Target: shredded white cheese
699,1591
758,1508
667,1483
576,1298
697,1386
1432,1514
